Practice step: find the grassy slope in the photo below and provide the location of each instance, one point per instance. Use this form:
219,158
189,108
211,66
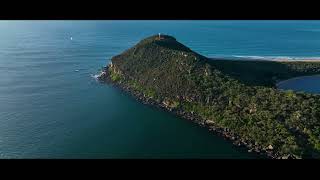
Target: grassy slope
235,95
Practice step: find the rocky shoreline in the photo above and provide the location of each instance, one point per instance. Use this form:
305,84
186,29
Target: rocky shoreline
265,152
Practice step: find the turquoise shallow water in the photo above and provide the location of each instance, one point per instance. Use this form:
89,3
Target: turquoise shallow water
51,107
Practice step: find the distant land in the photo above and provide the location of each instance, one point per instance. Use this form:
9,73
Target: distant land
270,59
236,99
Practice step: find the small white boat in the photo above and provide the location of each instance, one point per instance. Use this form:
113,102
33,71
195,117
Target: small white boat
71,38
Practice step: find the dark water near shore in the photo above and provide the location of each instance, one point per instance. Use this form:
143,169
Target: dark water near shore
52,107
309,84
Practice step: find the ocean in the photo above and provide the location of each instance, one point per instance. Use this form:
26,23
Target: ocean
51,106
306,84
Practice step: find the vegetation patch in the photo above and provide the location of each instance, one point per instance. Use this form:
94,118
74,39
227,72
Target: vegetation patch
237,95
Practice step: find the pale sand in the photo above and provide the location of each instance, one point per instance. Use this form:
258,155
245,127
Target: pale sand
276,60
296,60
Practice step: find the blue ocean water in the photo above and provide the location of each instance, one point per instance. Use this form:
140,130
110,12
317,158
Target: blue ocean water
52,107
308,84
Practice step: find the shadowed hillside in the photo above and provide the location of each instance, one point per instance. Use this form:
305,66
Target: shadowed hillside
264,73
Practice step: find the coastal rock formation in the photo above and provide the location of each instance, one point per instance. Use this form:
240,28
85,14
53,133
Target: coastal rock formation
237,100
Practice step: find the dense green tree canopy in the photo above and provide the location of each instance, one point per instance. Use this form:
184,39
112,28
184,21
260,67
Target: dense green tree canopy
238,95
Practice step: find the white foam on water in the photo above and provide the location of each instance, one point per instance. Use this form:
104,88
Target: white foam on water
95,76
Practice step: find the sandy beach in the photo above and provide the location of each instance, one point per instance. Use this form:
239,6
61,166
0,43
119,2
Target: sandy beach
295,60
275,60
